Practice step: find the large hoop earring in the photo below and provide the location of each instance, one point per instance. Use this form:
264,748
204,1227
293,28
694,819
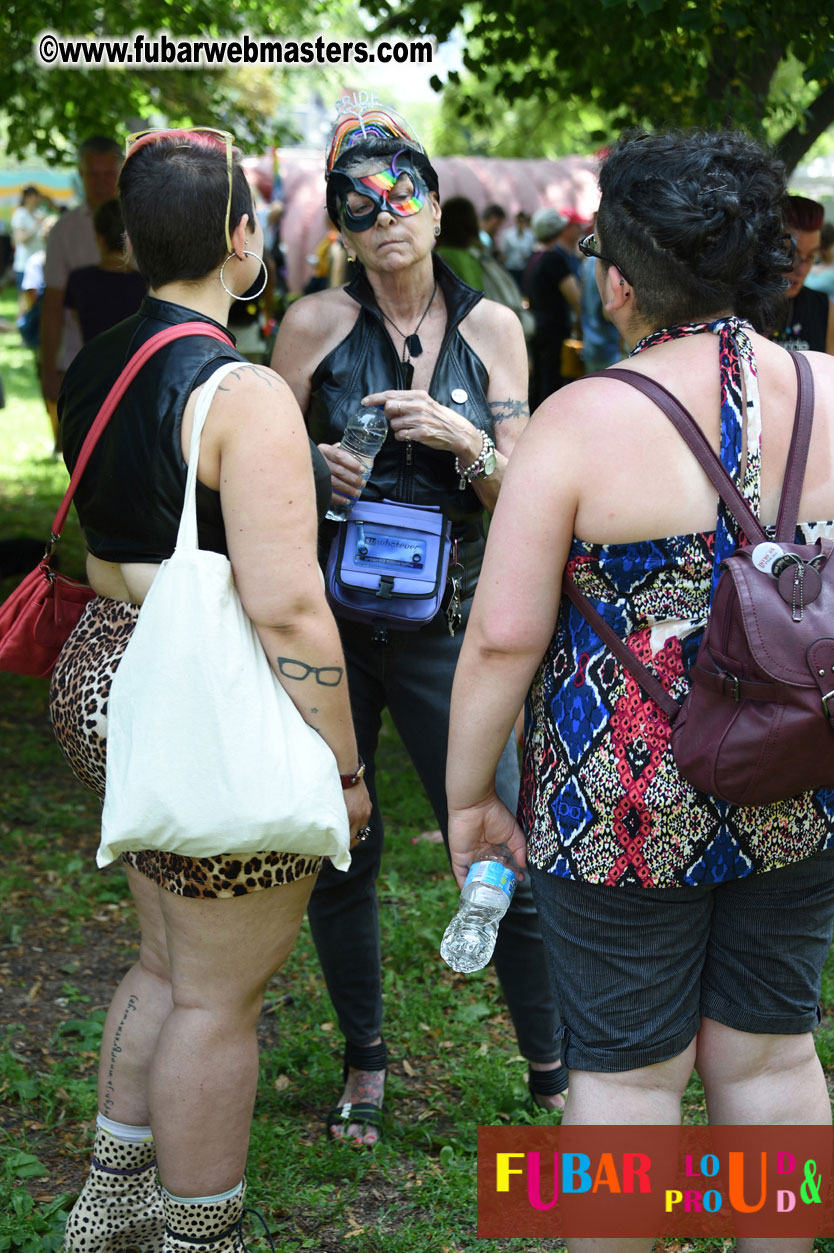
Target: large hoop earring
249,295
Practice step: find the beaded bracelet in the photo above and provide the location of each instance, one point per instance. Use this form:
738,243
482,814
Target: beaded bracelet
467,473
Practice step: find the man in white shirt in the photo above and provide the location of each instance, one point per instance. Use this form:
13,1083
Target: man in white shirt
71,244
518,243
26,223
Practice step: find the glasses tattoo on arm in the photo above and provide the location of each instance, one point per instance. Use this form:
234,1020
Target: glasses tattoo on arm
326,676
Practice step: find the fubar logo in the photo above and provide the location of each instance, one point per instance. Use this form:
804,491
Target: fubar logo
540,1182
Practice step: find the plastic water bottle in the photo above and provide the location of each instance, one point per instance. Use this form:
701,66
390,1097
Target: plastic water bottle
469,939
364,436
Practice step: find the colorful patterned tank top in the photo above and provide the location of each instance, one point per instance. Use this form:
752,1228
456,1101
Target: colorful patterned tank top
601,798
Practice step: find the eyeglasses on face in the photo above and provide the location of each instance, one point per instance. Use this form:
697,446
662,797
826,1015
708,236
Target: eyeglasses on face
803,260
135,140
588,248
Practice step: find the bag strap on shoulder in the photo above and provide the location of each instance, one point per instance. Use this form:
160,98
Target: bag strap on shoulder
688,428
694,437
648,682
798,452
116,393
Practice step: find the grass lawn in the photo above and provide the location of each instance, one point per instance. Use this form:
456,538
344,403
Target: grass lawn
66,936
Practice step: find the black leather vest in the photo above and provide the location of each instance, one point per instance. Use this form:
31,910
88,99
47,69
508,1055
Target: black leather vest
130,497
366,361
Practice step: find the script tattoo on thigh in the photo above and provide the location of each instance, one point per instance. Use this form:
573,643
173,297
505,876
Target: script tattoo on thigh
325,676
502,410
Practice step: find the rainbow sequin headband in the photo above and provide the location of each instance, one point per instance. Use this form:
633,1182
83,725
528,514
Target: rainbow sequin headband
367,122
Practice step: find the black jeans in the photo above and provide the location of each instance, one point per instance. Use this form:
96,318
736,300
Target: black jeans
412,675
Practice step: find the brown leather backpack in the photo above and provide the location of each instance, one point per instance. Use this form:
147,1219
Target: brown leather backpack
757,724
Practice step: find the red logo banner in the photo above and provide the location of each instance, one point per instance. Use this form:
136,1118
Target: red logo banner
541,1182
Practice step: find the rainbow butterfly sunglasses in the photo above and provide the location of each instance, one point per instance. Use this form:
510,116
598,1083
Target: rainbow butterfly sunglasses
378,188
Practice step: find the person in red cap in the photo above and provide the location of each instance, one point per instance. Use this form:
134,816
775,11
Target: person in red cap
575,228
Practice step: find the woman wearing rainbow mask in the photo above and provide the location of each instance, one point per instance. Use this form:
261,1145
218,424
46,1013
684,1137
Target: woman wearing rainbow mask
450,369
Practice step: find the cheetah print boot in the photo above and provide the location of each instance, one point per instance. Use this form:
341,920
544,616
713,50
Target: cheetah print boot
204,1226
120,1206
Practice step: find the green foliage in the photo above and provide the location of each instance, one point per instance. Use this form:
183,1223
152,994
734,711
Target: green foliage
51,110
87,1031
655,62
25,1228
470,119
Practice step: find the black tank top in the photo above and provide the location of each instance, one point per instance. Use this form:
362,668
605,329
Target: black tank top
806,328
130,497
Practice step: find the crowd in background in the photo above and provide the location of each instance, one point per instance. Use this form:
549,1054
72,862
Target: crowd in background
530,262
200,989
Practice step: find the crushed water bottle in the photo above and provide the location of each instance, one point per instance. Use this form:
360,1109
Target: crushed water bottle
364,436
469,939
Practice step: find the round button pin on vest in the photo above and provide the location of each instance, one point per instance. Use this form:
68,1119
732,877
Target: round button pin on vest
459,396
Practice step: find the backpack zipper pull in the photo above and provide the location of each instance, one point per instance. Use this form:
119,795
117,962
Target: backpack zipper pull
798,602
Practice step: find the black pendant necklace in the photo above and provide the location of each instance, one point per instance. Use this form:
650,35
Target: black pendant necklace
412,344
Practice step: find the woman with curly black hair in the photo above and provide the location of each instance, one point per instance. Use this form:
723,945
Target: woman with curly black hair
684,931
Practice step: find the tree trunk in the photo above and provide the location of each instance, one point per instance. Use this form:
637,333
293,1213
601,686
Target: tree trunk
724,71
818,117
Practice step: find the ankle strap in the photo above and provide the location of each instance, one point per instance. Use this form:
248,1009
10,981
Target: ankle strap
124,1171
366,1056
204,1240
548,1082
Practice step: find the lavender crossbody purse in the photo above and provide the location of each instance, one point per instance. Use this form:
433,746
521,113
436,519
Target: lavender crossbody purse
388,564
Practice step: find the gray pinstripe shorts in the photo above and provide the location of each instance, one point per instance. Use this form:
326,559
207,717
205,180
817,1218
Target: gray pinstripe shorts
635,969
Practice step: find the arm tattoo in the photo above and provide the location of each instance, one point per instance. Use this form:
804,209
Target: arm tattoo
503,409
326,676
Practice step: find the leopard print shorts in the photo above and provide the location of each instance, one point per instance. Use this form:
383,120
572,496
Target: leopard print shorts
78,704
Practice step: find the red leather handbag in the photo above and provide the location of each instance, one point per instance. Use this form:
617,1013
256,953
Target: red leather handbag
757,724
39,616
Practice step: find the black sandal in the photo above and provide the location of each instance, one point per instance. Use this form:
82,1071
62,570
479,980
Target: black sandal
546,1083
369,1057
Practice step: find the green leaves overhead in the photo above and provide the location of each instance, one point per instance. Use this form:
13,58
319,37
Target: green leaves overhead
50,110
561,74
650,62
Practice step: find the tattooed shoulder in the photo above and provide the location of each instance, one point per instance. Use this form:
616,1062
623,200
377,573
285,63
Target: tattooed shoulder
247,369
